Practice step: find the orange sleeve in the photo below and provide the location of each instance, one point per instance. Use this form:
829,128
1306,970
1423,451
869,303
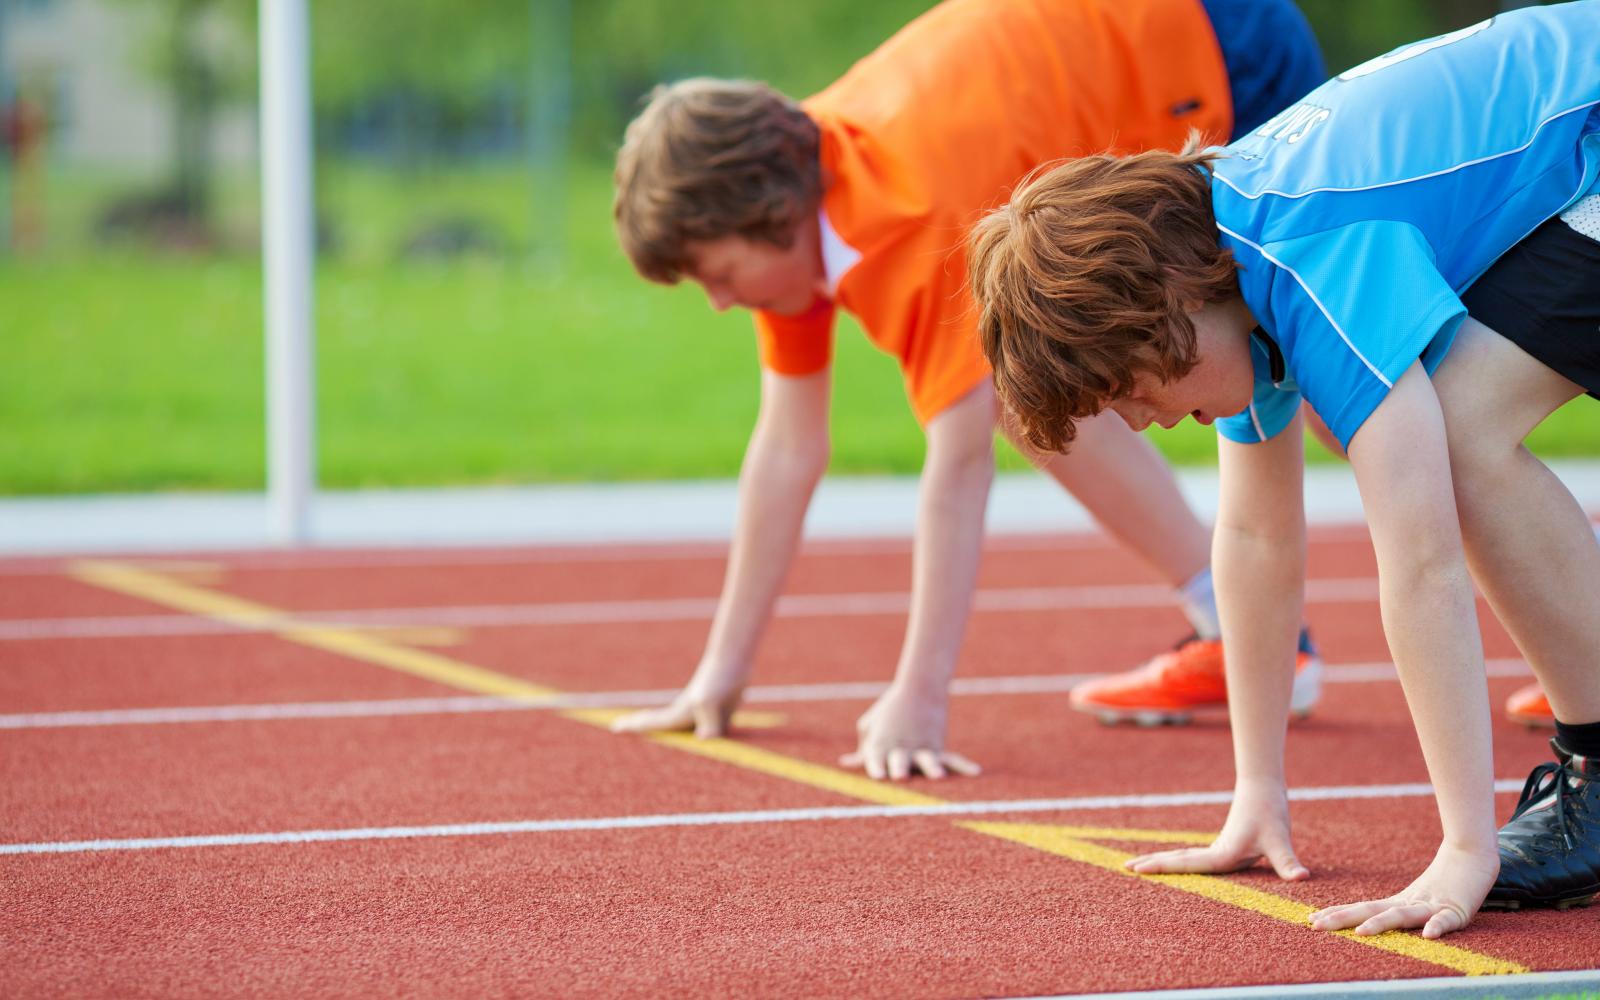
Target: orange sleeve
797,345
952,368
942,359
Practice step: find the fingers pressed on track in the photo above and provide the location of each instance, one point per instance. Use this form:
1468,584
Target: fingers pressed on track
899,764
1287,866
709,723
877,769
1395,917
961,765
1446,921
1190,861
655,720
1338,918
928,763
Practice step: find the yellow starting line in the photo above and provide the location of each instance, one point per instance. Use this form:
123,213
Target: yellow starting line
1074,843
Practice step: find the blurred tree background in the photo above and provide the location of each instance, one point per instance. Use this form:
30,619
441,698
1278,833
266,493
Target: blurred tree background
475,322
436,82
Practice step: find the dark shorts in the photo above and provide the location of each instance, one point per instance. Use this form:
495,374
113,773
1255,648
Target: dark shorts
1544,296
1271,56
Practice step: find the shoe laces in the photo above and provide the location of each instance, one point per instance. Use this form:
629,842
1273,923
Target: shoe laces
1186,640
1563,774
1174,663
1302,644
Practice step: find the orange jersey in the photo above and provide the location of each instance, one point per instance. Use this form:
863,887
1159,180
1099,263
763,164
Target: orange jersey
937,125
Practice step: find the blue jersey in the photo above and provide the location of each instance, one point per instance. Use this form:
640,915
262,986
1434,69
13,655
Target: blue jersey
1359,215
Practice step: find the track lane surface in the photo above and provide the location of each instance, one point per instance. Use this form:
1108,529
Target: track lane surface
360,768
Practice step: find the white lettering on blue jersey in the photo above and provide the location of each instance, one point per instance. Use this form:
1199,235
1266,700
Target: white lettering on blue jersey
1294,123
1360,215
1400,55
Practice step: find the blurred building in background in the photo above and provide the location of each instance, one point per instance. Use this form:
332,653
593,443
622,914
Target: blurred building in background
95,67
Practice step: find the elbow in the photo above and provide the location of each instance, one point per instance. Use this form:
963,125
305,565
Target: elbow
804,464
1279,535
968,461
811,464
799,459
1258,555
1429,573
975,467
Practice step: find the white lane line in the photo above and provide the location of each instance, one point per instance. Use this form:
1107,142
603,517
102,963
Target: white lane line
1331,533
1322,794
1091,598
539,555
1346,673
1547,985
643,552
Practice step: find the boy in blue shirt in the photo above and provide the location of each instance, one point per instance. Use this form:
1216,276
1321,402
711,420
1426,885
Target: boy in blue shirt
1414,250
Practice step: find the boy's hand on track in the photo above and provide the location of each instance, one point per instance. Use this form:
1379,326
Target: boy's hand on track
1257,827
1443,899
699,709
902,734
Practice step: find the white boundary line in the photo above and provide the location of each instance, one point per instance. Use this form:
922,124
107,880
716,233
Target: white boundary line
1353,590
523,554
1346,673
1529,984
1082,803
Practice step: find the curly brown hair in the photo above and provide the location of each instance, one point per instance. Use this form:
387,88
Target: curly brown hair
1085,281
711,158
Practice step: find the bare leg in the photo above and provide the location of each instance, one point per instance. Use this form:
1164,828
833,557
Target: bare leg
1126,485
1529,544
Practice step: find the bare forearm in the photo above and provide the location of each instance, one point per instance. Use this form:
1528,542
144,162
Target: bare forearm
949,543
775,489
1258,559
1401,463
1431,624
1259,598
904,730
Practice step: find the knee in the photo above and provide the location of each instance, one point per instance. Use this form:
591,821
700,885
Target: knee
1481,464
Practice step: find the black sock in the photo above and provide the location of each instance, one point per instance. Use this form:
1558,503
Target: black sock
1583,740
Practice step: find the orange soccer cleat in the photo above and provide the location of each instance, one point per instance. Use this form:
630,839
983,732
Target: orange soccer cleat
1529,706
1189,678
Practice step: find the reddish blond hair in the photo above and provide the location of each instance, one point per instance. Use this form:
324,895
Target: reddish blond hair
1085,281
712,158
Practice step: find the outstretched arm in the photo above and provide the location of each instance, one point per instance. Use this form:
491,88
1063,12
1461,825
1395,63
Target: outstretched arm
783,463
904,730
1258,558
1402,464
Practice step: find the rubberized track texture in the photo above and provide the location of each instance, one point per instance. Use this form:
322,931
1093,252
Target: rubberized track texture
389,773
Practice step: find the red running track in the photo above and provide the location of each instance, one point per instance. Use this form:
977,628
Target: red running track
781,903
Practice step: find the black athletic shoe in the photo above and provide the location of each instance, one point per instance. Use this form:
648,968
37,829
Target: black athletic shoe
1550,851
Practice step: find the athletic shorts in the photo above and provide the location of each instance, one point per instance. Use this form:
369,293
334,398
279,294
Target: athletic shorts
1271,56
1544,296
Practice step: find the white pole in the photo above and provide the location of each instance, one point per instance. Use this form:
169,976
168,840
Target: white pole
287,252
7,96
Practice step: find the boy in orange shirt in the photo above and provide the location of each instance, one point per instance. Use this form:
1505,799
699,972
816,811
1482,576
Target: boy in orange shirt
858,199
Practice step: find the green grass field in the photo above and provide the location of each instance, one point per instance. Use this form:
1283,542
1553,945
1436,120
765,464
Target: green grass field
124,369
